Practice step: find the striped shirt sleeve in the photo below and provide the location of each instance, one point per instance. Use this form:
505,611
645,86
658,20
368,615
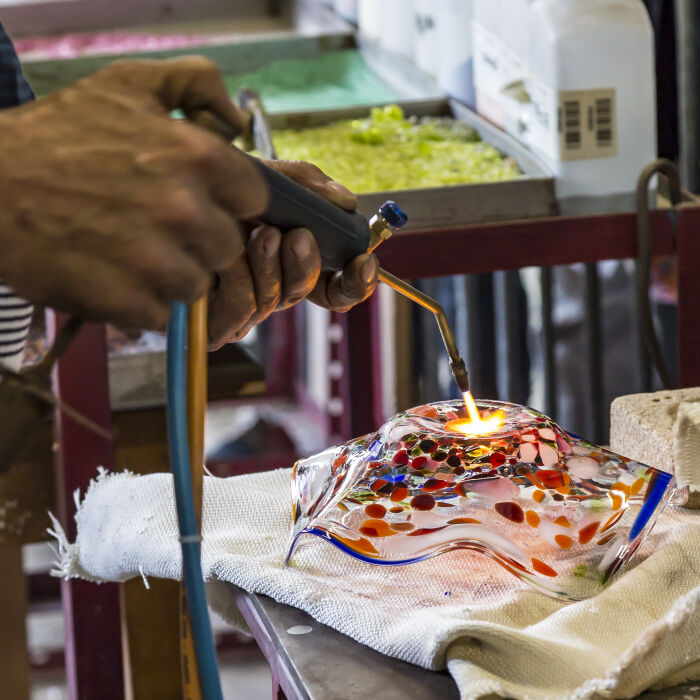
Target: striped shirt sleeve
15,318
15,312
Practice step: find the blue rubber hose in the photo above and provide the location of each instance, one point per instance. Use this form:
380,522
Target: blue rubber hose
190,539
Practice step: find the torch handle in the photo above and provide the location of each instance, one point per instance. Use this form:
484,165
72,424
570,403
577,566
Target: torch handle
341,235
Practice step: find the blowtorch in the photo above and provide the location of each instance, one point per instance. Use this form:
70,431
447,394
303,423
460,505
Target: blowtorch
343,235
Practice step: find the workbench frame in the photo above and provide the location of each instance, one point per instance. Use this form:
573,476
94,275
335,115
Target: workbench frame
92,612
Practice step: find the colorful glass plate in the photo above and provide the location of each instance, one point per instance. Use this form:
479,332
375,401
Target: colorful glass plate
556,511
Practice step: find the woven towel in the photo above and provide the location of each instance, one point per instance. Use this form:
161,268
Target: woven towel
686,446
458,610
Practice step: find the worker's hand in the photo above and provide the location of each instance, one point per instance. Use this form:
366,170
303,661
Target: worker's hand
280,270
110,209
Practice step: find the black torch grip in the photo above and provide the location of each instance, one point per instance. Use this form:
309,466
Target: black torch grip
341,235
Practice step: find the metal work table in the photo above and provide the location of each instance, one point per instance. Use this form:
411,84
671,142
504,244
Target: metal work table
349,670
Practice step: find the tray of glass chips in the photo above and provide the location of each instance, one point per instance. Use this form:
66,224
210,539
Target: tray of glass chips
439,160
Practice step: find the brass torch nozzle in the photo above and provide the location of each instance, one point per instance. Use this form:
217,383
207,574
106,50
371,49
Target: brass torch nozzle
459,370
460,374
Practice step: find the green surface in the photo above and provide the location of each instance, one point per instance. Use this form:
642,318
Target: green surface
338,79
387,152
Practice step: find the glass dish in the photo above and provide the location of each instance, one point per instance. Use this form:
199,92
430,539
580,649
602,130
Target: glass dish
556,511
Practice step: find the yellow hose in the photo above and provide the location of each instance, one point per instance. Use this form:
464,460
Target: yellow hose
196,410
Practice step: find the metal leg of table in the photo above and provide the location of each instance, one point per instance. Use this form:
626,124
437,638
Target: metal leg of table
475,333
361,388
548,343
427,344
595,353
511,348
688,247
285,680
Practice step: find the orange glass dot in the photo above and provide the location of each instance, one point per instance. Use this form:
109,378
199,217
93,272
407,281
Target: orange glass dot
611,521
533,520
563,541
541,568
375,510
637,486
619,486
376,528
399,493
586,533
464,521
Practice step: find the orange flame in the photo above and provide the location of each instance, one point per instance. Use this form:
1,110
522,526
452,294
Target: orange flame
475,424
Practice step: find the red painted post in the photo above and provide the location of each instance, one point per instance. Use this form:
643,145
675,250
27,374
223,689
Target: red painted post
91,612
688,242
363,342
339,382
282,358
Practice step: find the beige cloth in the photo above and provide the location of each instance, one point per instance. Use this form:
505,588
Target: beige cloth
458,610
686,446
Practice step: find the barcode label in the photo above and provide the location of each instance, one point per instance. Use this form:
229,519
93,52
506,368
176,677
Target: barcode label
572,124
603,122
587,127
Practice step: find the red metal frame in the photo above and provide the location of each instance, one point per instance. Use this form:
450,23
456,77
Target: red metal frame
688,249
91,613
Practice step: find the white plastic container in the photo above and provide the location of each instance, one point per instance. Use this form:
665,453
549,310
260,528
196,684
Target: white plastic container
454,52
397,30
369,18
425,18
500,46
592,92
347,9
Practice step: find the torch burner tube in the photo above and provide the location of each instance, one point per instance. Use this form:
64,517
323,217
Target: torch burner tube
459,370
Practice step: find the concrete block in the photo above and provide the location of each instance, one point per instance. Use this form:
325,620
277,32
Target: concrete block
642,427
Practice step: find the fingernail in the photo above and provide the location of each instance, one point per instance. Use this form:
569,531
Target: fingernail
272,244
302,245
368,270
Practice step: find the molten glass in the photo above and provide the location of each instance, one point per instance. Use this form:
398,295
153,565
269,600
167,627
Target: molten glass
475,424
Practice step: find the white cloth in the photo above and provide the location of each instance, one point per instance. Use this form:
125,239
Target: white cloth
686,446
458,610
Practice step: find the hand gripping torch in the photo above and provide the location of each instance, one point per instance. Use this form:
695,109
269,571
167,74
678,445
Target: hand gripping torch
343,235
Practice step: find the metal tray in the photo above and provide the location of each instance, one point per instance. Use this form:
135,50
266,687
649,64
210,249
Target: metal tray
137,380
48,75
528,196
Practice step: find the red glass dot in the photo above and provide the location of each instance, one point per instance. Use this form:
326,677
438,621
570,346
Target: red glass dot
511,511
423,501
497,458
419,462
375,510
399,493
401,457
434,485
